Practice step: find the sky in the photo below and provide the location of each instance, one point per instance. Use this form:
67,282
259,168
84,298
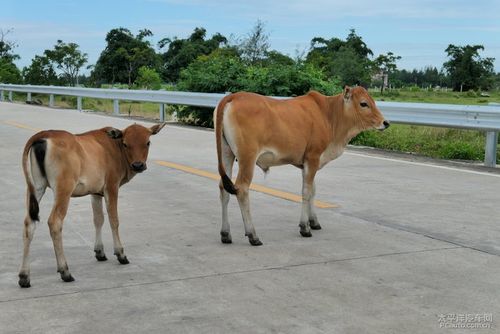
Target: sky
418,31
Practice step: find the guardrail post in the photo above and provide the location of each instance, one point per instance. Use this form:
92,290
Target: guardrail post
1,95
10,96
162,112
79,103
116,107
51,100
28,97
490,150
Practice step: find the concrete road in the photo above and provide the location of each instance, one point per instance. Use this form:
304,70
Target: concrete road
413,246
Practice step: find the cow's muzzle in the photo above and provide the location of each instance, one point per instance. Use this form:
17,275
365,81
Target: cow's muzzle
138,166
385,125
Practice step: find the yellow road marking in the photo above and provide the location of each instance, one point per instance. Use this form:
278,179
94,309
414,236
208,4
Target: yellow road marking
253,186
21,126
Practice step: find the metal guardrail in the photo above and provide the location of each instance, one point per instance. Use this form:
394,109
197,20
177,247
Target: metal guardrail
481,118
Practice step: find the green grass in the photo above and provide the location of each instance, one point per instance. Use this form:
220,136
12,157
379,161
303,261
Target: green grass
414,94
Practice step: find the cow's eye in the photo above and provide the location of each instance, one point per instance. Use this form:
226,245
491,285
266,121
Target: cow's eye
363,104
148,143
125,145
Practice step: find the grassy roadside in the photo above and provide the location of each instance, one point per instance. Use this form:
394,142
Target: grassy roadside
428,141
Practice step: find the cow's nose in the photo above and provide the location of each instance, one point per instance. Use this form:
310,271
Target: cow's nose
138,166
386,124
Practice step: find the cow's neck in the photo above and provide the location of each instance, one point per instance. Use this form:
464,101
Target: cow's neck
343,129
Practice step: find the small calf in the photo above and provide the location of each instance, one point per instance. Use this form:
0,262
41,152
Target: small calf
93,163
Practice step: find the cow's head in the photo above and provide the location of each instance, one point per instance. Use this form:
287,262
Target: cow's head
362,106
135,143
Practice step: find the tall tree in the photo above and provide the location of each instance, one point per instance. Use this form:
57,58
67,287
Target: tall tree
467,69
182,52
40,72
9,73
68,58
385,65
346,60
123,56
255,46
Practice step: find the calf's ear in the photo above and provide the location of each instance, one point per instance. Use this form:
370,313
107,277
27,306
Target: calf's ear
347,92
157,127
114,133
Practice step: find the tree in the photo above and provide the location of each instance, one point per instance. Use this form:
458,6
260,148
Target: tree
466,68
255,46
9,73
123,56
40,72
385,65
346,60
182,52
68,58
148,78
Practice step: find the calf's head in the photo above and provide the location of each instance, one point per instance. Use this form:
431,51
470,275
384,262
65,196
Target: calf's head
363,108
135,143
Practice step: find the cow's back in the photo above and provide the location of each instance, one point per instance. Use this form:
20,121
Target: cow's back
288,126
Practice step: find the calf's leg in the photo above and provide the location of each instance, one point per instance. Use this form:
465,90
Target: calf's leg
55,222
111,197
98,222
28,233
313,219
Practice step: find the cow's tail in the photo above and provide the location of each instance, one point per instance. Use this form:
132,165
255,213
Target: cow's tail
39,146
218,118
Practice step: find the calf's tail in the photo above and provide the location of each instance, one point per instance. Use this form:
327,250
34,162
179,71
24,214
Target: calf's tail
39,147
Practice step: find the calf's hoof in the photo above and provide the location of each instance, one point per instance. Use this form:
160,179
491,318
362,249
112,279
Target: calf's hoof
123,259
24,281
314,225
100,256
306,234
255,241
66,277
225,238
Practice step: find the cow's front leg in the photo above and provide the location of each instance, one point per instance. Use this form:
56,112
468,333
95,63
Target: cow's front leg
111,197
98,222
308,173
313,219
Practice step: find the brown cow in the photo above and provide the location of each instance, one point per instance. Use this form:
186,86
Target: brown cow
93,163
307,132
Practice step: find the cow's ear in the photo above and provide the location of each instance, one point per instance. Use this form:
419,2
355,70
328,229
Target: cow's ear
347,93
157,127
114,133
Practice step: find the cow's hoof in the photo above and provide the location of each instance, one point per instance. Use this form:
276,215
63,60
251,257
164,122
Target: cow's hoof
123,260
255,241
66,277
100,256
314,226
24,281
225,238
306,234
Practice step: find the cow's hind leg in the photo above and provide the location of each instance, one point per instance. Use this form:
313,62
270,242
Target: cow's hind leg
313,218
29,231
245,175
56,220
111,197
228,160
98,222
